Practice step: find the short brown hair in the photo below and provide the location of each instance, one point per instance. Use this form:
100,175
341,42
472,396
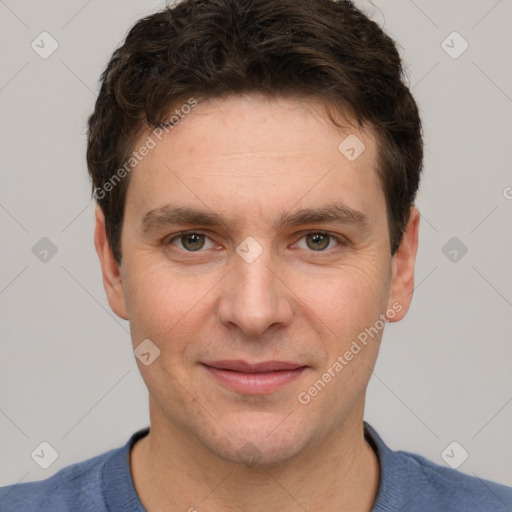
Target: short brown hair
324,49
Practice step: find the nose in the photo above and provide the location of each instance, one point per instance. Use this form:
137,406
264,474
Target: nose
254,297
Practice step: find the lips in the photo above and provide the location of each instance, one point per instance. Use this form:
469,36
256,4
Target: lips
254,378
243,367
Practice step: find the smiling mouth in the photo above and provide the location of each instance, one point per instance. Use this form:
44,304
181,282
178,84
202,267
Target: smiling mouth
254,378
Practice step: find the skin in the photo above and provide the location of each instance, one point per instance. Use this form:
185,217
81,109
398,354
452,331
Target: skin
250,159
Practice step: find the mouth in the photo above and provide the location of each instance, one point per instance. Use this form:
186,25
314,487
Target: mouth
254,378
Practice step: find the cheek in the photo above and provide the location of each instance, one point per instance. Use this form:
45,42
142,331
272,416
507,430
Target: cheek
349,305
348,297
166,307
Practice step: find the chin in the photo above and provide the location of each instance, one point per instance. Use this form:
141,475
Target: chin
257,442
259,454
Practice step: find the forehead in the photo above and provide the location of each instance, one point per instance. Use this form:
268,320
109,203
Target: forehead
257,154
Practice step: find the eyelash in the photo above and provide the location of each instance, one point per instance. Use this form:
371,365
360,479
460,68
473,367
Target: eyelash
342,241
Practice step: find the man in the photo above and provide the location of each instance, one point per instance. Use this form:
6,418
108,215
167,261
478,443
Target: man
255,164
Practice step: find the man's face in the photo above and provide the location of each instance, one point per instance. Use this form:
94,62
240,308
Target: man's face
265,284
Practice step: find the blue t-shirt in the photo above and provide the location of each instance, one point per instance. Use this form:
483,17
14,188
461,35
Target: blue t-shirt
408,483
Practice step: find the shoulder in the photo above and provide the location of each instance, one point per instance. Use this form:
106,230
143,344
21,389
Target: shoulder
450,489
411,482
76,487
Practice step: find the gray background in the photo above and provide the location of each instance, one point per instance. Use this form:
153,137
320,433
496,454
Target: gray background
67,372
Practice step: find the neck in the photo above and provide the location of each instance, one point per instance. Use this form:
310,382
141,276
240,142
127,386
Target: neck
172,471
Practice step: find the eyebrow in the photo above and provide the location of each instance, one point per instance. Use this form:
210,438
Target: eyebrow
176,215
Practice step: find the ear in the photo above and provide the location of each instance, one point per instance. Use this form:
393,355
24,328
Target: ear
402,284
110,269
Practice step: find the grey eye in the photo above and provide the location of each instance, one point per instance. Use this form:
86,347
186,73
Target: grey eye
317,241
191,242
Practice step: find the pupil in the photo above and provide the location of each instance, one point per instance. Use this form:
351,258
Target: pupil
319,241
193,240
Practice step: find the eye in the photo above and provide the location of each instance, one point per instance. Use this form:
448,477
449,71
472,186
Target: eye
191,241
319,241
